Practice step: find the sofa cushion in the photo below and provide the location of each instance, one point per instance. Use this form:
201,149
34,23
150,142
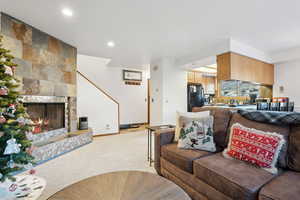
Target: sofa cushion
285,187
283,130
194,182
293,158
234,178
182,158
221,122
189,190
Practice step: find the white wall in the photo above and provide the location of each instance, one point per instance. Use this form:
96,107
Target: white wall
101,110
244,49
168,90
286,55
287,75
223,46
132,98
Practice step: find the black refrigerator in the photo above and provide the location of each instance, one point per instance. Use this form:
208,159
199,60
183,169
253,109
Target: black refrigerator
195,96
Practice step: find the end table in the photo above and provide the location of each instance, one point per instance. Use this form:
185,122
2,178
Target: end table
151,131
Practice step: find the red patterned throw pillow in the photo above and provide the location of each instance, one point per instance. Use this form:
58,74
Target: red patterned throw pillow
255,147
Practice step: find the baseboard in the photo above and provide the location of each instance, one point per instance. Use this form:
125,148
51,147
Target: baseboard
107,134
127,126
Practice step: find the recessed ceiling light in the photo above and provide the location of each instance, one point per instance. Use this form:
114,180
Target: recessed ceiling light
67,12
111,44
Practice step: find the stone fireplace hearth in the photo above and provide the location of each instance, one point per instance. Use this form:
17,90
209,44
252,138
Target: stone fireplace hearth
51,135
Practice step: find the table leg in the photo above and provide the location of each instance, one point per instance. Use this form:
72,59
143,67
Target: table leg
148,145
150,148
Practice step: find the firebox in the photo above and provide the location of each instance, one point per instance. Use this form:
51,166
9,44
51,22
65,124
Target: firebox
49,114
46,116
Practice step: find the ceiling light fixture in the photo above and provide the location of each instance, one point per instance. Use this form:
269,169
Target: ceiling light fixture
67,12
111,44
206,70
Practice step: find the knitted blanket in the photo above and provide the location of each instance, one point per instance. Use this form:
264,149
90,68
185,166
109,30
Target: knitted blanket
271,117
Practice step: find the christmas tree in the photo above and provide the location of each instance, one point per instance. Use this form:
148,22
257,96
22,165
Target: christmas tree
15,149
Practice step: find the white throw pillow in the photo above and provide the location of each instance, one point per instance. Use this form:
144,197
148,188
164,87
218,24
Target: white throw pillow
196,133
194,115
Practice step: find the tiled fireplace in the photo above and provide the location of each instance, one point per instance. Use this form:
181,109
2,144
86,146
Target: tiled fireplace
50,115
47,73
47,67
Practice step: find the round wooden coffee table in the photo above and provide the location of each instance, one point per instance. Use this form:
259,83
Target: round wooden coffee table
124,185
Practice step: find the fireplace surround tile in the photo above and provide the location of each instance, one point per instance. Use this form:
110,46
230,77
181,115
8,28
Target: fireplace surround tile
26,68
54,46
39,39
31,86
46,88
41,57
48,69
15,46
47,64
22,32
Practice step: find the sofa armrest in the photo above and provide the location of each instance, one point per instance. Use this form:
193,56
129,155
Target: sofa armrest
162,138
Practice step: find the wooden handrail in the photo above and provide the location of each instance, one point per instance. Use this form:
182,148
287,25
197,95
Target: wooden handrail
105,93
101,90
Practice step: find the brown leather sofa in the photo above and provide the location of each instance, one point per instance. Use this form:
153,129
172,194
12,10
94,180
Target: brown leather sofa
205,175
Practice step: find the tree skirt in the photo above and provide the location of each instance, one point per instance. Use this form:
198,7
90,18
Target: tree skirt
26,187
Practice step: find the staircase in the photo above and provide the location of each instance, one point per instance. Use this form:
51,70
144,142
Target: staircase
101,108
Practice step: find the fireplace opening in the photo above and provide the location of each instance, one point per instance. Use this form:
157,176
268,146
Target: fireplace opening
46,116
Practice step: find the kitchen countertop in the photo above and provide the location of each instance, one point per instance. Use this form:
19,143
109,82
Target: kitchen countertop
244,107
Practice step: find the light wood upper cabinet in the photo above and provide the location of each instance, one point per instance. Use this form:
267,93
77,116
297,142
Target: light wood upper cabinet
198,78
191,77
208,82
232,66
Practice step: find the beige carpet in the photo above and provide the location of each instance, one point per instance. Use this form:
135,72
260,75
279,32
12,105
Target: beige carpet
105,154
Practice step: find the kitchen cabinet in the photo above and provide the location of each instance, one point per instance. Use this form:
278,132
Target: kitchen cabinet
191,77
232,66
198,78
208,82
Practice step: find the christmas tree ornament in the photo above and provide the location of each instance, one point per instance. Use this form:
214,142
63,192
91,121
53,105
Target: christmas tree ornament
13,81
29,135
13,69
8,70
12,147
22,121
3,91
2,119
1,134
10,111
11,164
1,176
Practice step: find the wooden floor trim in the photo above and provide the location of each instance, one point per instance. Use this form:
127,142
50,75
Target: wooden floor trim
108,134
